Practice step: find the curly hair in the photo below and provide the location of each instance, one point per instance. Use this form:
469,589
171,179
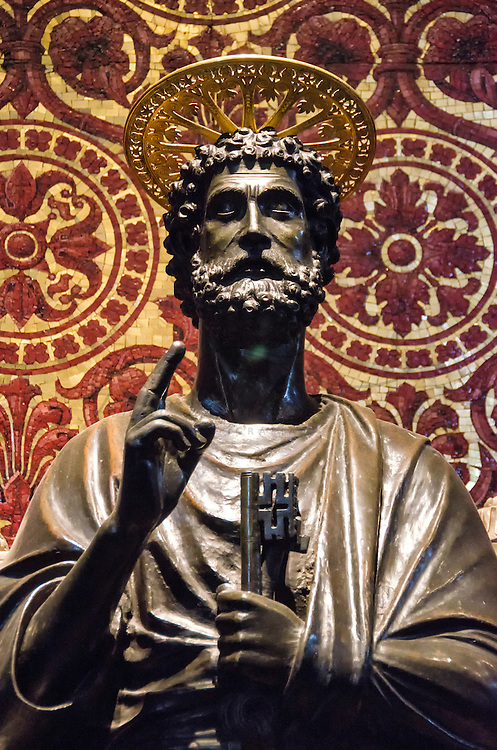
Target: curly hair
187,199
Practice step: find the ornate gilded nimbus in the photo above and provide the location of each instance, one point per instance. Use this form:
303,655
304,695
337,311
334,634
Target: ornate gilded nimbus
197,103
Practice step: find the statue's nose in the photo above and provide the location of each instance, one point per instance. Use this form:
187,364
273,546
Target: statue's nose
254,238
254,243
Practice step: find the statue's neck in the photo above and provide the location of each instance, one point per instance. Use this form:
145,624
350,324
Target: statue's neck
253,376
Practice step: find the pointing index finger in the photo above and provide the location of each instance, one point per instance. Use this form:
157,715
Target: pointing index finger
156,387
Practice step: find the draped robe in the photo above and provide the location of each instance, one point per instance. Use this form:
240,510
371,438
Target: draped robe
397,591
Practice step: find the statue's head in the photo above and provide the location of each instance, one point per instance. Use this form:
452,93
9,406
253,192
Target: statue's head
253,226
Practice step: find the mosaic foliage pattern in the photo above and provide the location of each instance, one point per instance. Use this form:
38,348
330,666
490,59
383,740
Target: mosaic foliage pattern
409,325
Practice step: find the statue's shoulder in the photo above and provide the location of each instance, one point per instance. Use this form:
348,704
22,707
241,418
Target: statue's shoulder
112,429
109,431
414,475
392,438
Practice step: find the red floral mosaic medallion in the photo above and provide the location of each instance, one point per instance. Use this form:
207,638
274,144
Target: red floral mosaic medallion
78,248
413,289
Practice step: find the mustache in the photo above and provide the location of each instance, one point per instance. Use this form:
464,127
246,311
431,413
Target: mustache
255,268
247,268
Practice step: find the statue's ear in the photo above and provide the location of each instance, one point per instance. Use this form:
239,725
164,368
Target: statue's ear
321,237
325,246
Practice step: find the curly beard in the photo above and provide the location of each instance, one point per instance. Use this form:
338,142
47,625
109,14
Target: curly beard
292,294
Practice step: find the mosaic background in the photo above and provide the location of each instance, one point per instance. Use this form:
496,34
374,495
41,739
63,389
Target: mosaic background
409,326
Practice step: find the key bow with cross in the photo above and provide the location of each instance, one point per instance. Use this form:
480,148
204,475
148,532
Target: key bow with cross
270,516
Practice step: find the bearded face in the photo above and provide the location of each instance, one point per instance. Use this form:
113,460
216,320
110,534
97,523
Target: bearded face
255,251
228,295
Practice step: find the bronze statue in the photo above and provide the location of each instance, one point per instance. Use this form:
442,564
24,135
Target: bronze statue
381,636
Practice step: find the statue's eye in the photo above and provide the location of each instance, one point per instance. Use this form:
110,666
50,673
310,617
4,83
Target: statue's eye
281,207
225,207
282,210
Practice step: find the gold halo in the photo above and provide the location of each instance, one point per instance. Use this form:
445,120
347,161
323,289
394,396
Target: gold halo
197,103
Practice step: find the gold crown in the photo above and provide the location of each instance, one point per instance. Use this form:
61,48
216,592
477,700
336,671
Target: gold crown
197,103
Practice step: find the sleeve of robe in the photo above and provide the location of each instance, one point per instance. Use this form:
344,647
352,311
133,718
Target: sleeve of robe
400,645
72,501
434,651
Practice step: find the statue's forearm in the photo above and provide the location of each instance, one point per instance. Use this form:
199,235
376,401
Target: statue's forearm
66,632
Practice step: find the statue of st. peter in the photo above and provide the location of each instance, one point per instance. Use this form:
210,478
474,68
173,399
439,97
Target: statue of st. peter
382,636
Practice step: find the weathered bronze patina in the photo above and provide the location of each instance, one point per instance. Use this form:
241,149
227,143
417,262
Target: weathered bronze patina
381,636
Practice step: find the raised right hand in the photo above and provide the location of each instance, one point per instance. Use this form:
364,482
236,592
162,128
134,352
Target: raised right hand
160,452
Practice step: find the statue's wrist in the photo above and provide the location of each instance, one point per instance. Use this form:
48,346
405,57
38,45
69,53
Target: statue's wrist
133,533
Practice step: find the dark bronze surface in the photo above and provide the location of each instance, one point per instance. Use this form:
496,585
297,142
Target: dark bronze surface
381,636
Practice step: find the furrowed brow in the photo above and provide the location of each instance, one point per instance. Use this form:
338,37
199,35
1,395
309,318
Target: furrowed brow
228,190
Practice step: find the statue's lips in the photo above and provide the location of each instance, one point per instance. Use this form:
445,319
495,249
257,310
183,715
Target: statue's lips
253,269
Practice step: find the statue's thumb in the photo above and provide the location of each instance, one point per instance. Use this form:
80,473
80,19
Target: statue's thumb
224,587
